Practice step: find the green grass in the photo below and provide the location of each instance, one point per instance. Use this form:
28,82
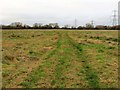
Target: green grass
60,59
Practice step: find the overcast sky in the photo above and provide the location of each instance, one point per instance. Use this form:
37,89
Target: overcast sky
60,11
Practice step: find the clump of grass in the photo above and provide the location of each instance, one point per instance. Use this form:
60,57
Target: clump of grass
111,47
7,59
34,58
20,59
97,37
53,82
62,61
115,39
14,36
6,73
100,51
33,77
32,53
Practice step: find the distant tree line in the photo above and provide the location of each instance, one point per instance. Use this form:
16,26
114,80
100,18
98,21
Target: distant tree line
88,26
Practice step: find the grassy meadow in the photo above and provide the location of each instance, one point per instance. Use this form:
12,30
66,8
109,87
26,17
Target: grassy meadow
59,59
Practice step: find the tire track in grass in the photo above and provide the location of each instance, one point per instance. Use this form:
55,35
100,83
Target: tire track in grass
39,73
91,74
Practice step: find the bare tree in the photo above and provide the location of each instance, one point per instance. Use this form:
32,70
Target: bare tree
37,25
89,26
54,25
16,24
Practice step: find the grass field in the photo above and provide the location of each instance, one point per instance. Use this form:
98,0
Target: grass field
60,59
